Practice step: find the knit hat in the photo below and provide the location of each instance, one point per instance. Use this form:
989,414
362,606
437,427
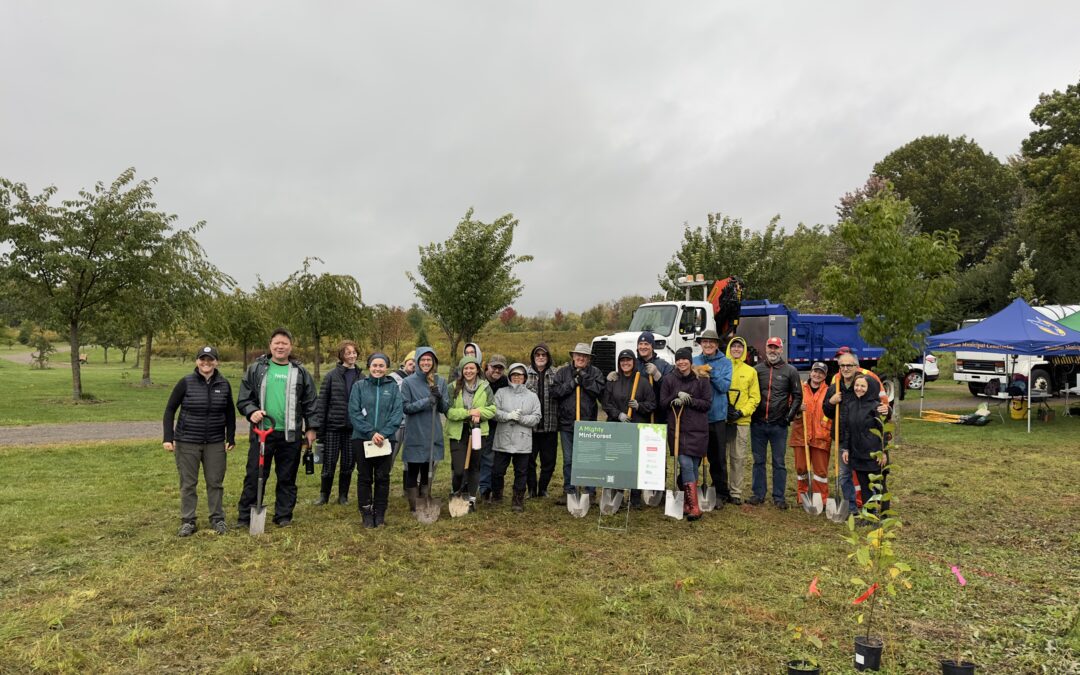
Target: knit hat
684,353
647,336
466,360
411,356
378,355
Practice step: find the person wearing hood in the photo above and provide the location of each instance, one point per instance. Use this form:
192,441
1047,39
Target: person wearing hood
743,398
335,429
424,396
577,388
720,381
862,435
518,411
496,379
628,397
781,396
375,410
689,398
470,349
472,405
205,432
278,386
545,437
654,368
408,367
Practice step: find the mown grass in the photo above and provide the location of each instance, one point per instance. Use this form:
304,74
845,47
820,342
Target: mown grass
95,579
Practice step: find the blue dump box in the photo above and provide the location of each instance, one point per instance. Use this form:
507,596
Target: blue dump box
807,337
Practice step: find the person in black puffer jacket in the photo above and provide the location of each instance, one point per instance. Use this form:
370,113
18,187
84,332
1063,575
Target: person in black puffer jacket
861,435
334,425
205,432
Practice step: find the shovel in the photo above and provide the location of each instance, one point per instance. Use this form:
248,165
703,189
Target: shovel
257,522
427,507
836,509
811,501
610,501
577,503
459,504
673,504
707,500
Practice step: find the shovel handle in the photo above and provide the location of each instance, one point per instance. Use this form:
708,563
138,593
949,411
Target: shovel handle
633,394
263,433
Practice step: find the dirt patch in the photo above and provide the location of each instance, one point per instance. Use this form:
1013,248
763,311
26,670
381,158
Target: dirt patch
47,434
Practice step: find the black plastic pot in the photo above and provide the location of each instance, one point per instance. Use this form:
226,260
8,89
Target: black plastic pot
801,667
950,667
868,652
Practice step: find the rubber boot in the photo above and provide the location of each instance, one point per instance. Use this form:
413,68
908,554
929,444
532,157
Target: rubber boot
380,517
324,493
368,515
412,493
343,487
518,504
496,496
693,509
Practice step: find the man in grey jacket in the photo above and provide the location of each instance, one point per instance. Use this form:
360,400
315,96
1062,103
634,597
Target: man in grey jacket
277,386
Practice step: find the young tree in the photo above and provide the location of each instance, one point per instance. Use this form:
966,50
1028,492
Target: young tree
389,328
464,281
325,305
239,318
893,275
1023,278
71,260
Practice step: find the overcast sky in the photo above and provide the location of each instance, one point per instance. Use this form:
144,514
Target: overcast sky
356,131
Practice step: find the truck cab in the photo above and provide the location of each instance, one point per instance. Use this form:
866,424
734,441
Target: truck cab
675,324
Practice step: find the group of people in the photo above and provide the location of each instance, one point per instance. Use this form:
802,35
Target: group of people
716,406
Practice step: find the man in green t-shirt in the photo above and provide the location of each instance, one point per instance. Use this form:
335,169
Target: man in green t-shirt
277,386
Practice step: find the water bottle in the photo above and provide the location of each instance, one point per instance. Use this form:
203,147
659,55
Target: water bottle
309,462
476,439
318,452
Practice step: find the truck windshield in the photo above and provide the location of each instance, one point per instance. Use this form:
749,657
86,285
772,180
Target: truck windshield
656,318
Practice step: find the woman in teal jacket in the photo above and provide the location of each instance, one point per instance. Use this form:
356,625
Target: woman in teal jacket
472,402
375,411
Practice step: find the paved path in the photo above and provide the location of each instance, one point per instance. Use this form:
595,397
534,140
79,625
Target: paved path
44,434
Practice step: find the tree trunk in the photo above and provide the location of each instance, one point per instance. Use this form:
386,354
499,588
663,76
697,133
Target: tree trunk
146,361
244,347
106,355
318,356
123,354
76,370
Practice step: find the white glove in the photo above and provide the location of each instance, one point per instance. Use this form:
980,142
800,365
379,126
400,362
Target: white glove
514,415
612,376
685,397
677,402
634,404
652,371
623,417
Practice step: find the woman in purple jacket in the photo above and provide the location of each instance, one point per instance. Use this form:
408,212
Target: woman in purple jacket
689,398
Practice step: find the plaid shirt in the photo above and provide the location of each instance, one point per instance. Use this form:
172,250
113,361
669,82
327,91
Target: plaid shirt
549,413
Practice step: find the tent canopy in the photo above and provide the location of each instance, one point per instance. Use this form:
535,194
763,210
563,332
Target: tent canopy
1017,329
1072,321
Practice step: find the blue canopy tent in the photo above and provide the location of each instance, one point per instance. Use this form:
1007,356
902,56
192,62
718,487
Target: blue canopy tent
1018,330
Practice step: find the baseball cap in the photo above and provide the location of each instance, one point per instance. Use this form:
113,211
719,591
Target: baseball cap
207,351
774,342
497,360
820,365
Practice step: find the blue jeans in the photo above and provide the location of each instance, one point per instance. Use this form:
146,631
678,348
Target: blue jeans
688,469
762,435
487,461
567,438
847,486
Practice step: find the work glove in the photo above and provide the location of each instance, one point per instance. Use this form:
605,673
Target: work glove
612,376
735,414
677,402
514,415
634,404
652,371
577,379
685,397
623,417
434,389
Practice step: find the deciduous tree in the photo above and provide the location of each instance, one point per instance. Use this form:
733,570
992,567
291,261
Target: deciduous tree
324,305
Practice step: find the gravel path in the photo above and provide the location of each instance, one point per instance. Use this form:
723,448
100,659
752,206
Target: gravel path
44,434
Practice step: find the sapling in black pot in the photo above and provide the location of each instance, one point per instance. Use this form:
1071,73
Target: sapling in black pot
803,664
958,666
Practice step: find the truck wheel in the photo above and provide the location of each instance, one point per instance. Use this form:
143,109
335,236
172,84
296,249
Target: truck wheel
1040,380
914,380
977,388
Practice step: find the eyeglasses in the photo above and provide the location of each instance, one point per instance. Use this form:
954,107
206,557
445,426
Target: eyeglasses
847,365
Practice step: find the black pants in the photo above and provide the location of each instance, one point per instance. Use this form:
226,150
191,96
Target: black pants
864,485
545,447
462,476
285,457
373,486
498,474
717,454
336,443
416,474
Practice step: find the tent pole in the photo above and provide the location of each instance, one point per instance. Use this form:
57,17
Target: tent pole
922,389
1030,383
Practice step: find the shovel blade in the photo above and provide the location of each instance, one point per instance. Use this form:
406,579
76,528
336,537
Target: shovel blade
458,506
708,499
610,501
652,497
578,504
258,520
673,504
427,510
836,510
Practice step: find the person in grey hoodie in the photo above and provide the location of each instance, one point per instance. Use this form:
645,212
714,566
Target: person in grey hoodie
424,396
518,411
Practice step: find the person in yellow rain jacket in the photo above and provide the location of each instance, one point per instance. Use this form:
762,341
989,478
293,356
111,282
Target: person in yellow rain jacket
743,398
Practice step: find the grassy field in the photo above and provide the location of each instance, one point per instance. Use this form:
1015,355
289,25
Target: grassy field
95,579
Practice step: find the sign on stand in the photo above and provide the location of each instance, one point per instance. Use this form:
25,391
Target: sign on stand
619,455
